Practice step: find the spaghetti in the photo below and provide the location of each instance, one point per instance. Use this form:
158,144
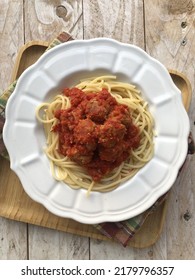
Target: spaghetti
76,175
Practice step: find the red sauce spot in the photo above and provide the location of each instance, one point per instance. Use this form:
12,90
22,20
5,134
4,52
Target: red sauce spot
96,131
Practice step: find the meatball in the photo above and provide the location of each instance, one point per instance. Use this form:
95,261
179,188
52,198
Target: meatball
110,154
79,154
85,133
99,106
95,111
121,113
110,133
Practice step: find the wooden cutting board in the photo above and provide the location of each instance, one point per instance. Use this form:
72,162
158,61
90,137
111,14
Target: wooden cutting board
15,204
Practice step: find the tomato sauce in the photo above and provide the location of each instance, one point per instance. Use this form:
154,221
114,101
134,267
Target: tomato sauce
96,131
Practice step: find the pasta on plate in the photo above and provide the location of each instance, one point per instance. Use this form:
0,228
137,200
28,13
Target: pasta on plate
104,141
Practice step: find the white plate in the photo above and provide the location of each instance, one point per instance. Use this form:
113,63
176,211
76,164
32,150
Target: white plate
64,65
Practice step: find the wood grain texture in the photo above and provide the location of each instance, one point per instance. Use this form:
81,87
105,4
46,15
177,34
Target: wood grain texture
13,235
46,19
11,37
54,245
170,37
121,20
13,240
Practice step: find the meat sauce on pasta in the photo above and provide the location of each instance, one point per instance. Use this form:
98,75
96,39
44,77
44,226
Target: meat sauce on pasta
99,133
96,131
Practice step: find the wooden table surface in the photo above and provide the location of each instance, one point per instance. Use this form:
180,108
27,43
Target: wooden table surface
166,30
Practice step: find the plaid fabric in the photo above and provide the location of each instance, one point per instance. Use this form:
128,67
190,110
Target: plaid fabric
121,231
3,100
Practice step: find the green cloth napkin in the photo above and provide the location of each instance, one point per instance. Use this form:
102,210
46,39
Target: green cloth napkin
121,231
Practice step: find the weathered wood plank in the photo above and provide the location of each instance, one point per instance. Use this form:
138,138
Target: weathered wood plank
13,235
13,240
101,250
120,20
11,37
52,245
170,37
44,20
